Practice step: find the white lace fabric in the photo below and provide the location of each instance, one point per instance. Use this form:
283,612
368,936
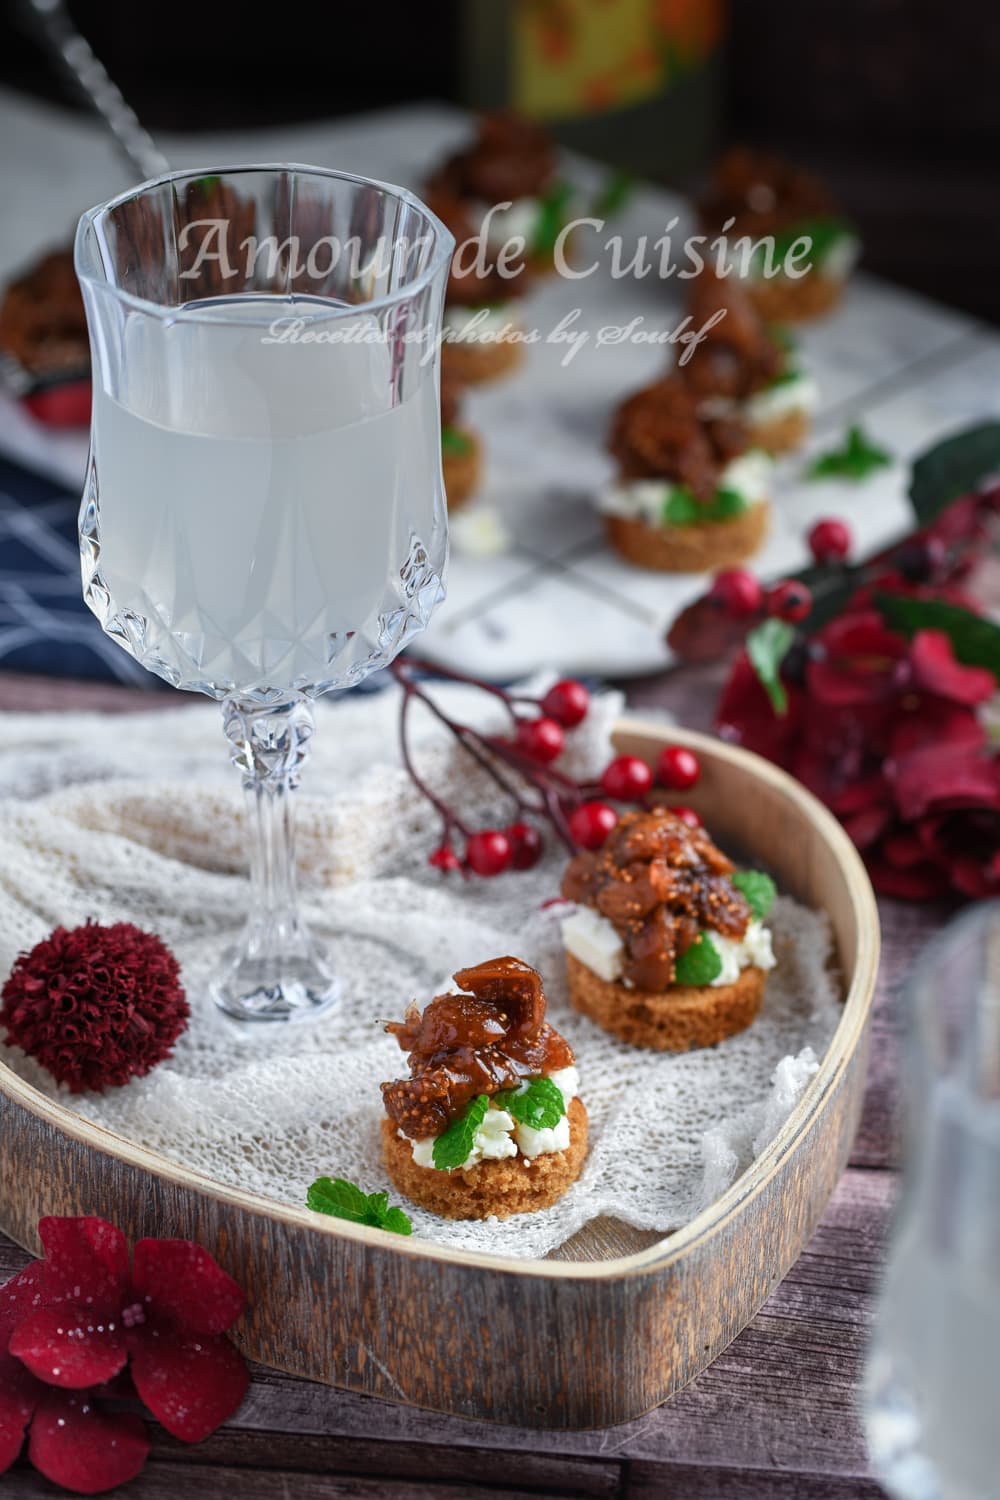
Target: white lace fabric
139,819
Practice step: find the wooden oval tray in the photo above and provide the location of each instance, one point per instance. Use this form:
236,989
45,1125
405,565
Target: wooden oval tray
600,1332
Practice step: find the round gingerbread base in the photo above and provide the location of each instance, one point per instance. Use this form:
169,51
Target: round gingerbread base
673,1020
512,1186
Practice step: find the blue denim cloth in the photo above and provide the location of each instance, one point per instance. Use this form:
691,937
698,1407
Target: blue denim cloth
45,627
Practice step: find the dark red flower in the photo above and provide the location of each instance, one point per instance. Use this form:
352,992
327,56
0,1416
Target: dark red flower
858,662
885,732
935,670
95,1006
77,1318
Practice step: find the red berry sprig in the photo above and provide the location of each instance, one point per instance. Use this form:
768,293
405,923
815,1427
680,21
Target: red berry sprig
677,768
522,763
830,541
791,601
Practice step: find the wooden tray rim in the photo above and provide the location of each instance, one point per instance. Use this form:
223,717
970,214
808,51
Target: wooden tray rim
675,1244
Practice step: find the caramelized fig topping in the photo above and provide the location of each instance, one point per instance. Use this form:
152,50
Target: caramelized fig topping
659,882
487,1038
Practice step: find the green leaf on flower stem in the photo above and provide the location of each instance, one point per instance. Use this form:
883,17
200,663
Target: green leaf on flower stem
540,1105
613,196
453,1145
767,644
858,458
551,219
953,468
699,964
974,640
759,890
344,1200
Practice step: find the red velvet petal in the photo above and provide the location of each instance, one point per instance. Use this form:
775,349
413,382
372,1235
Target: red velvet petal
190,1383
86,1260
84,1449
866,827
903,850
938,778
184,1281
19,1395
972,879
918,883
19,1296
924,720
69,1346
935,670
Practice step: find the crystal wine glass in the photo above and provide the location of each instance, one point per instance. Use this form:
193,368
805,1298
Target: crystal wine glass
264,516
932,1391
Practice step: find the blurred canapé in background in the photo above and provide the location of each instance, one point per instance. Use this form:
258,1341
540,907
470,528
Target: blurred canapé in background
892,101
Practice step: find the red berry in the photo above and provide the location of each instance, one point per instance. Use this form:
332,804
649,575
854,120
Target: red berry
790,601
628,778
737,592
830,541
489,852
445,859
591,823
567,702
687,815
541,739
526,845
677,768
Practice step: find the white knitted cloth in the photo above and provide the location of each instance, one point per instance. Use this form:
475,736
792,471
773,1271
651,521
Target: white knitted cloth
138,818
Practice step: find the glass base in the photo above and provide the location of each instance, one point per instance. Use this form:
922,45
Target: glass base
295,988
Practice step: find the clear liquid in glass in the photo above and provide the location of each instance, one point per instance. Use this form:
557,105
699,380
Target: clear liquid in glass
265,513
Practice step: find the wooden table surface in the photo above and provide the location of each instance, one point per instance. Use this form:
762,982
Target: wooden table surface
774,1418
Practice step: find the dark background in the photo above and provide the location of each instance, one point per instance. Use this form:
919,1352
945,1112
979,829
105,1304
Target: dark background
897,102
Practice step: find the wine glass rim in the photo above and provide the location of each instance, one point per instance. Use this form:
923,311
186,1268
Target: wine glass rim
169,311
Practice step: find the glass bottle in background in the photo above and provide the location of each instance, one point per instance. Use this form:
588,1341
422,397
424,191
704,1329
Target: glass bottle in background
933,1394
637,83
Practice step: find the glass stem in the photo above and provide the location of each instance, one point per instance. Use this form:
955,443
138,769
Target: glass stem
276,968
271,773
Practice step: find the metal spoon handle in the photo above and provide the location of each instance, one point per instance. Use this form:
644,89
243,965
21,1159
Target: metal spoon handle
90,74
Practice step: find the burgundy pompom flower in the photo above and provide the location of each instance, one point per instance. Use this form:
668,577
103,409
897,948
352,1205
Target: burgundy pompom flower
95,1006
76,1319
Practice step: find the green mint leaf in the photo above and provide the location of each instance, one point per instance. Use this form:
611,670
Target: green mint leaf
953,468
613,196
206,184
454,440
680,508
787,377
699,964
759,890
454,1144
782,337
823,233
974,640
767,644
858,458
343,1200
397,1222
338,1197
551,219
540,1105
726,504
